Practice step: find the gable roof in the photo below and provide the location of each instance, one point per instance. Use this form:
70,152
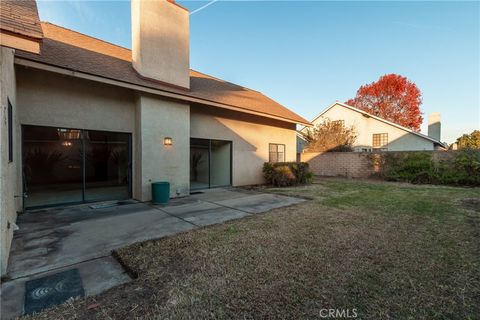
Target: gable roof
75,51
301,135
379,119
20,17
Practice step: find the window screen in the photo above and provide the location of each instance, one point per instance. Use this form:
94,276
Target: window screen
277,152
380,140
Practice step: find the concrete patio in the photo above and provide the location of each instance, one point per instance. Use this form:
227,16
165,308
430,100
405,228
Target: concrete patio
58,239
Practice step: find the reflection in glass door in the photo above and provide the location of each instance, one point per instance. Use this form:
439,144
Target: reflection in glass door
52,169
210,163
106,165
62,166
199,163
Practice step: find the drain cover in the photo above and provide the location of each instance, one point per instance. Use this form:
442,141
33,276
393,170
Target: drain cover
52,290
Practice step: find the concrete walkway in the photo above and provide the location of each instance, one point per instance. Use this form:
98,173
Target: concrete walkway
59,239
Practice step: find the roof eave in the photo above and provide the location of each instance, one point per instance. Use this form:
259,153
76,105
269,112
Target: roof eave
184,97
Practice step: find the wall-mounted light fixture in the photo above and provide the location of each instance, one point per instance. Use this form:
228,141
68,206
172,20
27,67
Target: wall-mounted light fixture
167,141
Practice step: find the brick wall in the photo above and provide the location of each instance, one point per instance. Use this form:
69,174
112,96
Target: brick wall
351,164
345,164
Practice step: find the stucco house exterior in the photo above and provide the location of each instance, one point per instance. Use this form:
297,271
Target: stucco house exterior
85,120
375,133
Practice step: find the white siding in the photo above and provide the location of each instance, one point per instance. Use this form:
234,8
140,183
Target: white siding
398,139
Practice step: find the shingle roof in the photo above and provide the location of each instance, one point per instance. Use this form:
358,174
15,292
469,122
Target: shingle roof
20,17
72,50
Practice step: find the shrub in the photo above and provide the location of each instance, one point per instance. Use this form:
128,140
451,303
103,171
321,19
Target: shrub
283,174
331,136
419,167
466,167
411,167
309,177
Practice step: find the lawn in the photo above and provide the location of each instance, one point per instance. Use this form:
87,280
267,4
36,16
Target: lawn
387,250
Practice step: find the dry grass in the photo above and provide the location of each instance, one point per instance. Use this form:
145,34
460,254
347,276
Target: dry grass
392,251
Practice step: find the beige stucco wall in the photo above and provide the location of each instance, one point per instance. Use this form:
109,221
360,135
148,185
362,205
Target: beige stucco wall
9,204
160,41
157,119
250,136
49,99
398,139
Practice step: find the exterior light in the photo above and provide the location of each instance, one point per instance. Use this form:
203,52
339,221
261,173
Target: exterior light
167,141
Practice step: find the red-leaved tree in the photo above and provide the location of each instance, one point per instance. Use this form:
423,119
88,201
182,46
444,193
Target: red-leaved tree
393,98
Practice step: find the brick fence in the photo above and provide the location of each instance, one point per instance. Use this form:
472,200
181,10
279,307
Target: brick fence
352,164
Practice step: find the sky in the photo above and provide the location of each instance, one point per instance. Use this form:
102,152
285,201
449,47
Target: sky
308,54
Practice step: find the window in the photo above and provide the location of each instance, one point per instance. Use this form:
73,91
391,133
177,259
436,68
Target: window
380,140
10,131
277,152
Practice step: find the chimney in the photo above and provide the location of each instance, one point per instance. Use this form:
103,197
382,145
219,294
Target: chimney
434,126
160,41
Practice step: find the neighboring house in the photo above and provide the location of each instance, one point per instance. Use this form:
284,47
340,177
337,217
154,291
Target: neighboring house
375,133
86,120
302,143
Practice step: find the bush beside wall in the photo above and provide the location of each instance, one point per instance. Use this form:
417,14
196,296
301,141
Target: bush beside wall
283,174
461,168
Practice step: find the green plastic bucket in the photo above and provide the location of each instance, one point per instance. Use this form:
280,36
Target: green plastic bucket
160,192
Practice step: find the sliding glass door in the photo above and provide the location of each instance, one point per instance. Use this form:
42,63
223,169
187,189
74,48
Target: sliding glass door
106,165
52,165
62,166
210,163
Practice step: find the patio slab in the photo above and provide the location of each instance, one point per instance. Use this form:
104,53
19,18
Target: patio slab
259,203
202,213
56,239
219,194
56,243
97,276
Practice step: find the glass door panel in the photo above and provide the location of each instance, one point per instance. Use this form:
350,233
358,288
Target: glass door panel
62,166
210,163
220,163
52,165
107,165
199,163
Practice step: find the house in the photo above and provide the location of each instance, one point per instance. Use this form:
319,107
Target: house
85,120
302,143
375,133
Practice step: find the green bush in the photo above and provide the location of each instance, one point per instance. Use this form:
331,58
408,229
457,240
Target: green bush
412,167
419,167
465,168
284,174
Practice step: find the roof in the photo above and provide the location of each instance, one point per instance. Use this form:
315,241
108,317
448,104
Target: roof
71,50
20,17
379,119
301,135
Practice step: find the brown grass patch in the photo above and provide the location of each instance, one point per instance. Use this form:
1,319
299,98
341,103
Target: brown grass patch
411,253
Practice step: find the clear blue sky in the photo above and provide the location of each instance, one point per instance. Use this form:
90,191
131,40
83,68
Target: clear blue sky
306,55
